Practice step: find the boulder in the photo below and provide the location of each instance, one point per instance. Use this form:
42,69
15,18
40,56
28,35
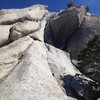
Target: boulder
21,23
16,23
35,12
63,25
23,28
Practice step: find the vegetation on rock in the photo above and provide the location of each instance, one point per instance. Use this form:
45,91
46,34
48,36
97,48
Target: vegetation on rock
89,59
71,4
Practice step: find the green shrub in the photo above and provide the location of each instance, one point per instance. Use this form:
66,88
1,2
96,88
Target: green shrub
71,4
89,59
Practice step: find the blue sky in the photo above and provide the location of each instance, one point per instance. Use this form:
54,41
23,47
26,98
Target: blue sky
54,5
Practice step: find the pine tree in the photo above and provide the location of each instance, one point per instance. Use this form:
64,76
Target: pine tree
89,58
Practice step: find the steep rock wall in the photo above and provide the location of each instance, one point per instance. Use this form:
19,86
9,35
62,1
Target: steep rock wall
26,72
63,25
86,32
31,69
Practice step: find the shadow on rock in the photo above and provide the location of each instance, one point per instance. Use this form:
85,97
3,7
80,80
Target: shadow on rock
80,87
63,25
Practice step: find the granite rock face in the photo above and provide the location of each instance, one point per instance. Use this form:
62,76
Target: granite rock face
77,43
67,22
25,71
87,31
31,68
16,23
81,87
22,29
11,54
72,35
31,78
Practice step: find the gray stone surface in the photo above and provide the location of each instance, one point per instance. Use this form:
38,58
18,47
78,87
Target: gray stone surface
86,32
10,55
39,35
62,26
4,34
29,68
23,28
33,13
80,87
31,78
84,87
16,23
25,71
